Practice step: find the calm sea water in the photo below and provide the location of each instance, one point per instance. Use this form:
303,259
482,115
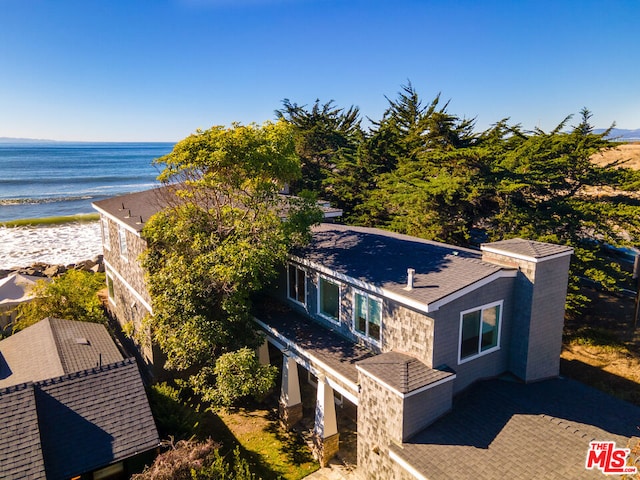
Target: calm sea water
51,179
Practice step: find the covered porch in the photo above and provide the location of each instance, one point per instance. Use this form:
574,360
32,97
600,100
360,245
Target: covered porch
311,354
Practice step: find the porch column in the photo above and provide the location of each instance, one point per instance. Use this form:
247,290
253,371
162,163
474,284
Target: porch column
326,436
263,353
290,400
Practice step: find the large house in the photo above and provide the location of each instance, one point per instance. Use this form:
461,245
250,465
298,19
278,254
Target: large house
450,355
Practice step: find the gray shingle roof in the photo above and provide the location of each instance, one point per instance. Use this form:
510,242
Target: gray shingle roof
381,259
502,429
92,418
402,372
528,248
20,455
76,423
51,348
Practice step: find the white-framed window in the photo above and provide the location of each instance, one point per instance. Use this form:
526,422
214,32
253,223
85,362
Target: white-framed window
296,284
112,296
122,233
106,239
328,299
367,316
479,331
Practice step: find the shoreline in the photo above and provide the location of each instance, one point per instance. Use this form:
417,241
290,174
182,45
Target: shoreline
56,220
54,241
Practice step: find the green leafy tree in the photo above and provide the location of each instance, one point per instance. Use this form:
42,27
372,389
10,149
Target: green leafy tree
238,375
223,239
71,296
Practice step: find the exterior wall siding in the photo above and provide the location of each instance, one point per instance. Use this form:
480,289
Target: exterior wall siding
447,334
547,319
422,409
409,332
379,424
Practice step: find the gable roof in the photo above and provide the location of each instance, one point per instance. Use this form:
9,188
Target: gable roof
403,373
506,429
54,347
21,456
75,423
379,260
93,418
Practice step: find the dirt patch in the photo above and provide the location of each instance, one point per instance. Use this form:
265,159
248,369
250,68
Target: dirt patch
602,347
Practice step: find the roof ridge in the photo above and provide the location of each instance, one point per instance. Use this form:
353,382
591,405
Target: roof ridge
569,426
87,372
57,342
16,388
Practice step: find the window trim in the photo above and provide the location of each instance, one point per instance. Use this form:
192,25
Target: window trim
365,336
295,299
111,293
106,235
124,246
318,303
481,353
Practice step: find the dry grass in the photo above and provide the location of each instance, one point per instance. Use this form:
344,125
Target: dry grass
629,152
602,347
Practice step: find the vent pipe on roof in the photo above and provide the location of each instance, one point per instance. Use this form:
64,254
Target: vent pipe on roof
411,272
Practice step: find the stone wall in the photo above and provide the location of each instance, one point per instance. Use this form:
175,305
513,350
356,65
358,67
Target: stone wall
408,331
379,423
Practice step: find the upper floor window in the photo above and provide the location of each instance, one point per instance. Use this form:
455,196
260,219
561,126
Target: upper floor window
123,242
297,284
106,239
110,289
480,331
367,316
328,299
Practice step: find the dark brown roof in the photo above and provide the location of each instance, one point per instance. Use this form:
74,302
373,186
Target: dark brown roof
76,423
402,372
381,259
135,209
54,347
506,429
528,248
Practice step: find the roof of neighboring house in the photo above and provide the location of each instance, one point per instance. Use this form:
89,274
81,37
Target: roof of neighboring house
135,209
404,373
15,289
21,455
380,259
530,249
54,347
507,429
76,423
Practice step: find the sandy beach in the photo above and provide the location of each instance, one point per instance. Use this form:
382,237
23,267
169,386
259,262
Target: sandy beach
56,244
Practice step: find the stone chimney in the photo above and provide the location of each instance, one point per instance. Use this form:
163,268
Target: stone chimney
539,304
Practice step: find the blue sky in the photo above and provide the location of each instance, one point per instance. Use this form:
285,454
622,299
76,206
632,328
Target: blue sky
156,70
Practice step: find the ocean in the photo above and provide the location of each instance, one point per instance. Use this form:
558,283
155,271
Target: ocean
56,179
